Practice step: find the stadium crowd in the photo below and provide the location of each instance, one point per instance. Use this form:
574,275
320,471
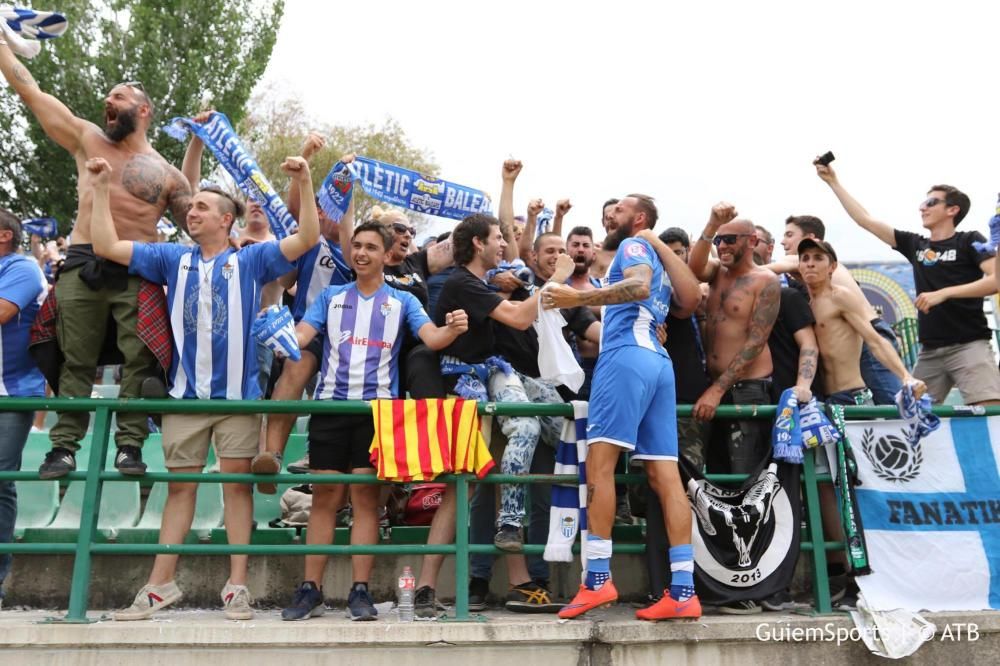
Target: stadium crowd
654,319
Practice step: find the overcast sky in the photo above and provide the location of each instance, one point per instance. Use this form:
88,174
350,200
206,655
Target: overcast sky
691,104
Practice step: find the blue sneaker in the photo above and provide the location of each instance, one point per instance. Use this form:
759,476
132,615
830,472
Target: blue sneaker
307,603
360,605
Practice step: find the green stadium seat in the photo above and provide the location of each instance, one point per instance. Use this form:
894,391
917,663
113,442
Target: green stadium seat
37,501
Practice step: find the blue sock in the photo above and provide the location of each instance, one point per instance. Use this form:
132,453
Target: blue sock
598,568
682,572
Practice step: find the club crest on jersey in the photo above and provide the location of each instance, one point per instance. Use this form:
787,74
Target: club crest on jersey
227,270
635,250
385,309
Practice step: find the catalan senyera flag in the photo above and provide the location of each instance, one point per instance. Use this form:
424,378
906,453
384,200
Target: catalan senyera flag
417,440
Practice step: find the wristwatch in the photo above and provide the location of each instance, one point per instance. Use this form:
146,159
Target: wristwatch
707,239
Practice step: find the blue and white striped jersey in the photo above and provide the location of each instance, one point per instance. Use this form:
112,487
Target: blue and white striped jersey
212,305
319,268
361,340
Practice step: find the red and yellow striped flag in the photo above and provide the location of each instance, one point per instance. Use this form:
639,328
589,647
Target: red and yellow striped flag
416,440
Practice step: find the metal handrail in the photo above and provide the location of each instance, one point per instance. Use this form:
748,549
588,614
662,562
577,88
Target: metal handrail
95,476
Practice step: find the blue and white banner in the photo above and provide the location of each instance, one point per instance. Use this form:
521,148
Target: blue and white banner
33,22
398,186
931,514
45,227
219,137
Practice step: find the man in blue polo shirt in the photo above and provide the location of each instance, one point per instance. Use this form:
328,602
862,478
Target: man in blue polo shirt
213,297
22,289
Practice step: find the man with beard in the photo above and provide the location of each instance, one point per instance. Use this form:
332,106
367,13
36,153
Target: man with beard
633,405
580,247
89,290
604,255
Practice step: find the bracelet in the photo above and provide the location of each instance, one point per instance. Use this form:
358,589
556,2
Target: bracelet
707,240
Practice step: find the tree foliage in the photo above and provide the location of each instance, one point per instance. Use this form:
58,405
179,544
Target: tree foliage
276,127
187,54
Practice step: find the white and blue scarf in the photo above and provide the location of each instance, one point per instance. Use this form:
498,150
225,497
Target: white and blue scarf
18,23
400,187
220,138
920,420
568,515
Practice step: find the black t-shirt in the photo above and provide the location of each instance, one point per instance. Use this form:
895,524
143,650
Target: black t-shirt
794,314
465,291
685,351
940,264
410,275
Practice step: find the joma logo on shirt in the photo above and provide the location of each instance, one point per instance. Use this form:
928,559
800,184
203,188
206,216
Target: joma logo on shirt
929,257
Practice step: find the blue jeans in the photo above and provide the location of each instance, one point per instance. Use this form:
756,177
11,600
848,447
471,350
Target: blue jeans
484,508
14,427
522,433
883,384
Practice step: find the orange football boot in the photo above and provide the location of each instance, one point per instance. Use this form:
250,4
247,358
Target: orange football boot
669,609
586,600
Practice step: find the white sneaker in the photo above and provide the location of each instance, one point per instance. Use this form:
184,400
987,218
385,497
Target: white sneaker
236,599
150,599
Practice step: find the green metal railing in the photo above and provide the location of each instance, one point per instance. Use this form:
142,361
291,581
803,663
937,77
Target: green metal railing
909,347
95,476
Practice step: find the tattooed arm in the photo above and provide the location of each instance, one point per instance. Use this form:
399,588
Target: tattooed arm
55,117
635,287
805,338
762,318
179,201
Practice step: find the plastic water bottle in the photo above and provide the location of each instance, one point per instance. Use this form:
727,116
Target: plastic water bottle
407,587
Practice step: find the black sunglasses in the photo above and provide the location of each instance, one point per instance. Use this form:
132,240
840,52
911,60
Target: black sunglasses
401,228
728,239
933,201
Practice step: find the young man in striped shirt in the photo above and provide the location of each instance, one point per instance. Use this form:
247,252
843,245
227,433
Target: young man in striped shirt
213,296
362,325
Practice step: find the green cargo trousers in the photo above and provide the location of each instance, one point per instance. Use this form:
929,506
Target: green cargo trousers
81,323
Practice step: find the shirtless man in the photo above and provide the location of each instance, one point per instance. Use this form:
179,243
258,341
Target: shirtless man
841,327
878,378
142,187
743,305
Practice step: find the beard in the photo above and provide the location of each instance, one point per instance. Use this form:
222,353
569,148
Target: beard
615,238
582,266
125,124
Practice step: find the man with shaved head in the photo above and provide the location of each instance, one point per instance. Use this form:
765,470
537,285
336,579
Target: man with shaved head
743,304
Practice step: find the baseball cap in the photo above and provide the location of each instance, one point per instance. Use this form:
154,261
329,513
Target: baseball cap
815,243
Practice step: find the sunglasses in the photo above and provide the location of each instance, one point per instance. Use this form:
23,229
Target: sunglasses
933,201
134,84
401,228
728,239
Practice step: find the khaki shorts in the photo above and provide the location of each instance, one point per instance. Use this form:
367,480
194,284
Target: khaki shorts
186,437
971,366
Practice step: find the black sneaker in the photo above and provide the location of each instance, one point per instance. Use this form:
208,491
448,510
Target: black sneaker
153,388
742,607
307,603
424,604
360,605
129,461
531,598
508,538
479,589
623,514
779,602
58,463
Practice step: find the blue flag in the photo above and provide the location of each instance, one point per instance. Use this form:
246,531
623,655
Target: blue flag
400,187
46,227
220,138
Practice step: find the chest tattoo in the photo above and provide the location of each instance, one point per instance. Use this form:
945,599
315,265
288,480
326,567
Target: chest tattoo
144,178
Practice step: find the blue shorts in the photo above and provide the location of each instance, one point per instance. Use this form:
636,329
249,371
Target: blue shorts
633,403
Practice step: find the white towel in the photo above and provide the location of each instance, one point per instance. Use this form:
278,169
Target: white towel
556,362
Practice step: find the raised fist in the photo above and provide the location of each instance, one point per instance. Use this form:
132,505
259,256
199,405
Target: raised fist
296,168
312,145
511,169
100,171
562,207
722,213
535,206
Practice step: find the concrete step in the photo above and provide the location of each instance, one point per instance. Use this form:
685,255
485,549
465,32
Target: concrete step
609,637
